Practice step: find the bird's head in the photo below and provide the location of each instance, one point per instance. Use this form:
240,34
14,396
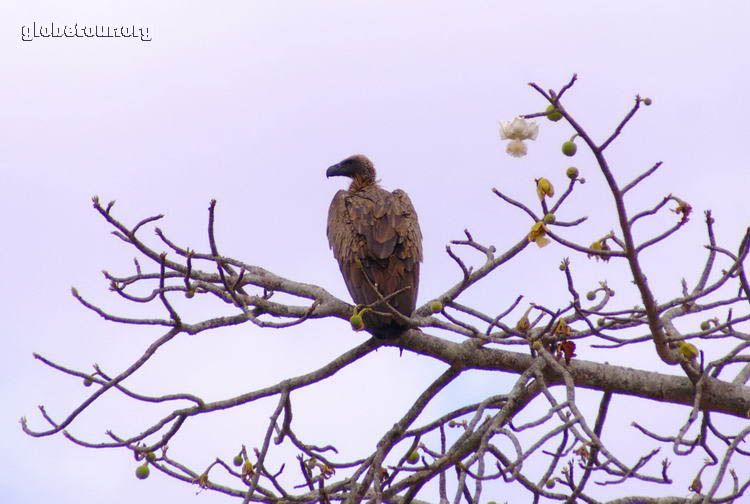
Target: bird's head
357,167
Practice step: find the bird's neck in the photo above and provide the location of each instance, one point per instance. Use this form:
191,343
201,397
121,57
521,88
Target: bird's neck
360,183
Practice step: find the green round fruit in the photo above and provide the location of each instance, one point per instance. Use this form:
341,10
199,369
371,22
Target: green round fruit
549,218
237,460
189,293
436,307
600,322
413,457
569,148
705,325
591,295
150,456
356,321
142,471
87,382
553,114
572,173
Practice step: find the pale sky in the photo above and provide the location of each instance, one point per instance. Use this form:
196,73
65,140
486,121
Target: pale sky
249,103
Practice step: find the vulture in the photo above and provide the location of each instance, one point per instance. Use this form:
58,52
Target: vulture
376,240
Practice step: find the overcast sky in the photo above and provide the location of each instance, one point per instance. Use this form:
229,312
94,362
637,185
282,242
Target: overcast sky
249,103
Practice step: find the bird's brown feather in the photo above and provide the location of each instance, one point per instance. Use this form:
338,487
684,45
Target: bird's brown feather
375,233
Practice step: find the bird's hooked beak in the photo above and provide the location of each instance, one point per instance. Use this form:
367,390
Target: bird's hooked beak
340,169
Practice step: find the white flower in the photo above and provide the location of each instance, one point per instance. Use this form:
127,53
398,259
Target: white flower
516,131
516,148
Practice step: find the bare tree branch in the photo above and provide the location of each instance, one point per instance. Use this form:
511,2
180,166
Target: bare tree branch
533,435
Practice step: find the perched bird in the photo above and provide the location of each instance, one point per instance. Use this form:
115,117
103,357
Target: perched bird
376,240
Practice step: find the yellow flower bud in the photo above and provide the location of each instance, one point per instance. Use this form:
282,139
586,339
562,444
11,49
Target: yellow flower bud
688,350
599,245
563,329
247,468
523,323
544,188
537,234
